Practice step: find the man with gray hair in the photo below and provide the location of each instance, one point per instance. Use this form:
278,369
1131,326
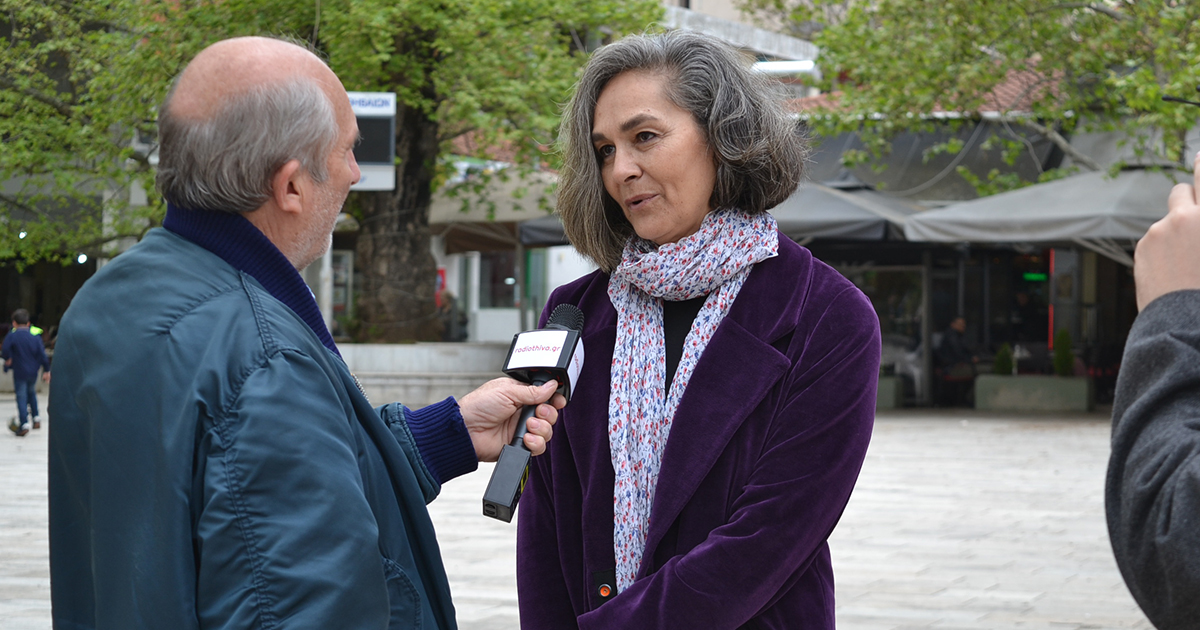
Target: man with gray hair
213,462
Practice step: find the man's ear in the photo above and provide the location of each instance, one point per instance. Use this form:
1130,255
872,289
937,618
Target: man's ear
289,187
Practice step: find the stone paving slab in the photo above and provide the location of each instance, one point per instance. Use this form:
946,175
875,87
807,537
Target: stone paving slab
961,521
970,520
24,539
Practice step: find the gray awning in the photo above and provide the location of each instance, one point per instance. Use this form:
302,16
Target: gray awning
1086,206
542,232
843,209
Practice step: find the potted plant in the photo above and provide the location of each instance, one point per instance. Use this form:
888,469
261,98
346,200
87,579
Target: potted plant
1064,358
1004,390
1003,363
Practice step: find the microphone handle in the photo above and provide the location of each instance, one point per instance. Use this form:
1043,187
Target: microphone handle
527,412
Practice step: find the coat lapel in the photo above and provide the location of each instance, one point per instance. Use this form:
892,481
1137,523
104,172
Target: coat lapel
587,430
736,372
589,438
732,377
738,369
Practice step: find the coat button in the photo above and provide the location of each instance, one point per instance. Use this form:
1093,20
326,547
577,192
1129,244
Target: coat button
605,590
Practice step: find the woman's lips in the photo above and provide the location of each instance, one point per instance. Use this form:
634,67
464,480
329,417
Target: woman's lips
637,200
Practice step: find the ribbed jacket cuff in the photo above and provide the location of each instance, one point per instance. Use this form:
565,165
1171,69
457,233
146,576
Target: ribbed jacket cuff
442,440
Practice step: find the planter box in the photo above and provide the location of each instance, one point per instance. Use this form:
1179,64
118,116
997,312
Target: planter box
1030,392
890,394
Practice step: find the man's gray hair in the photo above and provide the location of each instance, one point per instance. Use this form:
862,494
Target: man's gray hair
758,146
226,162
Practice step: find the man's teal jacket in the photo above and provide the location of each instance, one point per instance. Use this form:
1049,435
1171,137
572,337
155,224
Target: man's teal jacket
213,465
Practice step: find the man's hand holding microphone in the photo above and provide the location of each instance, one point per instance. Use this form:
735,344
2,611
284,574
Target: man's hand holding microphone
552,356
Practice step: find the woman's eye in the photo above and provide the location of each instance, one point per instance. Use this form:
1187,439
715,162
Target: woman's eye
605,151
646,136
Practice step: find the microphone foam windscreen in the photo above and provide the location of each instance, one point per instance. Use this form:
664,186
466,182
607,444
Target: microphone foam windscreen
568,316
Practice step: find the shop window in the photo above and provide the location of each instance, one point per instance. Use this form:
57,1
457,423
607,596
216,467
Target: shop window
497,279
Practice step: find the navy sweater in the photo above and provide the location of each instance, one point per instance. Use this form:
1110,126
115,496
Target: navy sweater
27,354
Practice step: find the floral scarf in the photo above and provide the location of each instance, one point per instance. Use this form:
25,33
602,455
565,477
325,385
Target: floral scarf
714,261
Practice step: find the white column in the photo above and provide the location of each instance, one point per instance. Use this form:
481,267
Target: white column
325,288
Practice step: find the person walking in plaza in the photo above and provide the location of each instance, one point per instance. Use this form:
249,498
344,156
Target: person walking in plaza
724,410
215,464
24,353
1152,492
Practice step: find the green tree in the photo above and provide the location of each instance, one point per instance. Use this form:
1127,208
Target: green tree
1080,65
72,99
498,70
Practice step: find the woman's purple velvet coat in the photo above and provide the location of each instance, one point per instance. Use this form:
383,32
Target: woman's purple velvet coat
763,453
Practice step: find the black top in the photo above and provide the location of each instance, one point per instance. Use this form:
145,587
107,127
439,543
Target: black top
677,323
953,349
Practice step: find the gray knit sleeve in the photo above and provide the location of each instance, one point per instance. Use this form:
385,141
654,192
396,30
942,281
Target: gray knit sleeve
1152,492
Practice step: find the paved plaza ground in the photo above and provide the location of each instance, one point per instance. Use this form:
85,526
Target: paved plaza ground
960,520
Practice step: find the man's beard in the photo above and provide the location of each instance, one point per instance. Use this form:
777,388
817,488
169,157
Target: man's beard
316,241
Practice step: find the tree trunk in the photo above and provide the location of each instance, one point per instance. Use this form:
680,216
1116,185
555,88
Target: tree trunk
396,296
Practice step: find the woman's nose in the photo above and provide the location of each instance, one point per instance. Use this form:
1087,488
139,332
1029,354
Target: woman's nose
625,166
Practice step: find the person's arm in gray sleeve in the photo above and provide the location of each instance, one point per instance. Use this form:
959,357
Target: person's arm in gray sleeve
1153,487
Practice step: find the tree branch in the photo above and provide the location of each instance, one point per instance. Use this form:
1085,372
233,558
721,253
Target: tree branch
1091,7
72,8
15,203
143,159
58,105
1057,138
454,133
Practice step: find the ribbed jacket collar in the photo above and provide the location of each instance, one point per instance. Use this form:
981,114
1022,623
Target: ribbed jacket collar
238,242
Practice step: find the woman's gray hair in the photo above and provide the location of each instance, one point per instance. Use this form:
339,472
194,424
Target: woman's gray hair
758,146
226,162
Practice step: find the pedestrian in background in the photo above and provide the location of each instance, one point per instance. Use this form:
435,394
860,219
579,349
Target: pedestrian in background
454,319
23,353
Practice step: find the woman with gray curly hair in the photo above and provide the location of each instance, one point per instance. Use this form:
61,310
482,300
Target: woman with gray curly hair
726,403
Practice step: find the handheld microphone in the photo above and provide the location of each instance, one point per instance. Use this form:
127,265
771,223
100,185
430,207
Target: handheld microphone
535,357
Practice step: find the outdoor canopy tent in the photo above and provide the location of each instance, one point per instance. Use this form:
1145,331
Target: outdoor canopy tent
1090,209
844,208
545,231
